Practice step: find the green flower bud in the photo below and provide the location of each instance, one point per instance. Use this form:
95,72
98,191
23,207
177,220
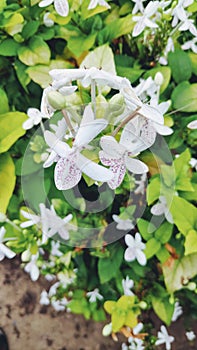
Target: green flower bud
143,305
116,105
191,286
159,78
56,100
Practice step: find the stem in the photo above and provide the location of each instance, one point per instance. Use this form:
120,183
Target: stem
93,96
68,122
13,224
125,121
42,127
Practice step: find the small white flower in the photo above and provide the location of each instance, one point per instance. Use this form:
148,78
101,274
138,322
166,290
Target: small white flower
179,13
49,277
55,249
53,289
192,125
94,3
136,344
193,163
32,268
127,284
94,295
59,305
190,335
164,338
44,299
161,208
4,250
123,224
190,45
188,24
61,6
135,249
178,311
144,20
48,22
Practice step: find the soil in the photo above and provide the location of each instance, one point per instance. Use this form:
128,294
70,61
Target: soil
31,326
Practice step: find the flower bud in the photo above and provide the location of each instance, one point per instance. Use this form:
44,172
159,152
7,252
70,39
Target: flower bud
107,330
159,78
143,305
56,100
117,104
191,286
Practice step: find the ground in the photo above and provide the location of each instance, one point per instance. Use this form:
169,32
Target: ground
32,326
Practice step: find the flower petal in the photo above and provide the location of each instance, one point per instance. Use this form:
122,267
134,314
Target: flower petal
158,209
61,7
129,240
6,251
135,166
60,147
163,129
129,254
67,174
140,256
93,170
111,147
44,3
151,113
88,131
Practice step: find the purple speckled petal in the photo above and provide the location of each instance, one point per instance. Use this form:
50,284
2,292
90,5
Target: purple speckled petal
67,174
119,170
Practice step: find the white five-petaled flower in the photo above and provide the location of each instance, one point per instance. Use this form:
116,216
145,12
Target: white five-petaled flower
61,6
192,125
94,295
190,335
118,156
177,311
72,163
164,338
144,20
55,249
5,251
127,284
49,222
179,13
122,224
94,3
135,249
59,305
191,44
161,208
32,268
35,115
44,299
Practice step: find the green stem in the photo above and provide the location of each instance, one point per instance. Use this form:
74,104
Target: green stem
125,121
68,122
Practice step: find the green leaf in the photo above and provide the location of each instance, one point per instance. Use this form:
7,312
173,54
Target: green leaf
108,267
4,106
165,71
40,73
144,229
164,232
177,60
81,43
163,309
29,29
162,255
193,58
36,52
191,242
9,47
153,190
182,167
7,180
130,73
184,215
116,29
22,76
101,57
178,271
184,97
11,129
152,247
85,13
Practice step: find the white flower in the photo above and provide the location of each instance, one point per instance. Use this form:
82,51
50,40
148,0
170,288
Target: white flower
32,268
44,299
127,284
49,222
161,208
55,249
177,311
72,163
136,344
49,277
169,47
179,12
135,249
94,295
36,116
53,289
48,22
59,305
138,6
5,251
94,3
188,24
192,125
118,157
190,335
123,224
164,338
193,163
191,44
61,6
144,20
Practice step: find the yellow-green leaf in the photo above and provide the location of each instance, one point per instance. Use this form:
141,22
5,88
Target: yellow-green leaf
7,180
109,306
11,129
37,52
